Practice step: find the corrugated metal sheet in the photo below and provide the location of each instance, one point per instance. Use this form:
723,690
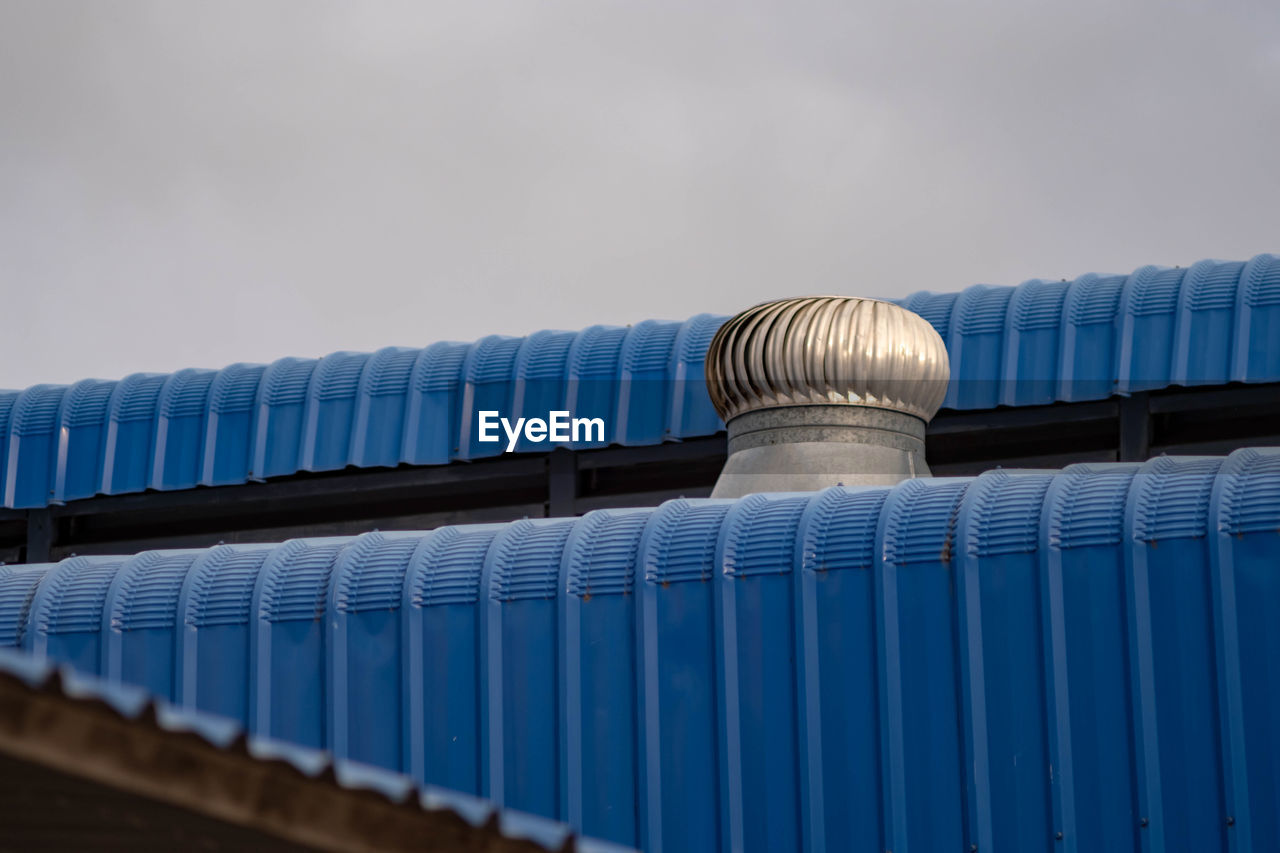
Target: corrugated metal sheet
1041,341
254,783
947,662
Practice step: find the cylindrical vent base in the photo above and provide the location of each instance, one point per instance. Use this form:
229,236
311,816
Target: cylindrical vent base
806,448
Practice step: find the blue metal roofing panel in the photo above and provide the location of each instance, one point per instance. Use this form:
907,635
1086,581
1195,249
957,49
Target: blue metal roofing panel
1039,342
947,662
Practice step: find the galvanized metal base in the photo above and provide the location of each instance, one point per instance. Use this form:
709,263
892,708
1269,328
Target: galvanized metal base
806,448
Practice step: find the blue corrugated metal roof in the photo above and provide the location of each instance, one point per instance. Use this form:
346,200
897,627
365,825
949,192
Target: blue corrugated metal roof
1041,341
947,662
133,702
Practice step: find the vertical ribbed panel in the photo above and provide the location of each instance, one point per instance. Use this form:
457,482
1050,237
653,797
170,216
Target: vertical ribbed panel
683,541
546,355
1251,493
440,366
1155,291
1171,498
72,595
760,536
492,359
1261,285
975,346
1096,299
1090,511
934,307
1037,304
32,445
1246,585
370,574
981,309
221,586
18,586
1212,285
596,351
541,377
388,370
840,532
36,410
526,562
597,661
602,552
691,412
922,529
81,424
432,416
337,376
186,393
286,381
330,412
85,404
136,397
447,570
146,591
1006,513
653,340
1001,661
235,388
646,391
295,578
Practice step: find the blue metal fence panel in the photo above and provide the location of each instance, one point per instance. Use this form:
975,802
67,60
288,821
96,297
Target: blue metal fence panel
1022,660
1039,342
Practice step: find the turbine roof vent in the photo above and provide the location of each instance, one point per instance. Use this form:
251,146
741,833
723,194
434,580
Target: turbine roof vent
827,350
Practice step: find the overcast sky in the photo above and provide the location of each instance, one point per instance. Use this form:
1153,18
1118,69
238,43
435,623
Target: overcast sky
191,184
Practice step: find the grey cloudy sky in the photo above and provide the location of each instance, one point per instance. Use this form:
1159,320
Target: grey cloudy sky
191,184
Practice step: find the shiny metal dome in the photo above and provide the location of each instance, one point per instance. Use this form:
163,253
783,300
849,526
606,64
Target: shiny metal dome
824,350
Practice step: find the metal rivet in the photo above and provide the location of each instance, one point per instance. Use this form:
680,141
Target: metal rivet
1231,821
1144,823
1058,837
